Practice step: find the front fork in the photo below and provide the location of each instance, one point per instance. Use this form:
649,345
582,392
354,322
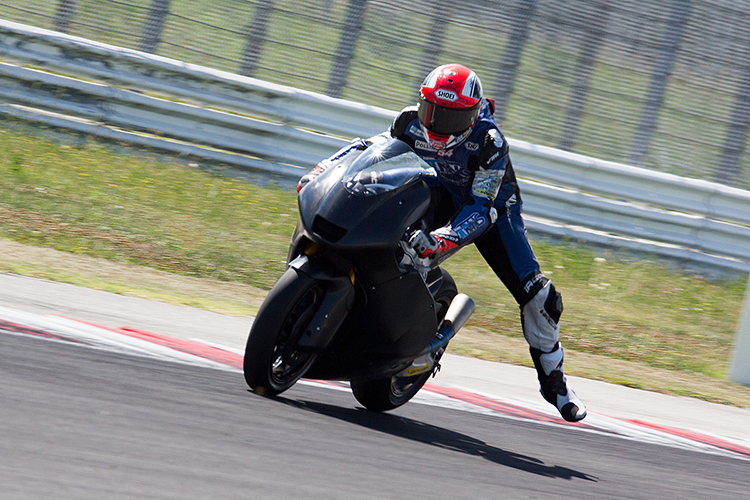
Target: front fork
337,302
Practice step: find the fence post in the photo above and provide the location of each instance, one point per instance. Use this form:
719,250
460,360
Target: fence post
65,11
345,50
734,145
434,45
524,11
256,35
662,70
740,368
593,31
154,24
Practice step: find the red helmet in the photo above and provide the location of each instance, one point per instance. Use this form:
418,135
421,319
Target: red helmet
449,102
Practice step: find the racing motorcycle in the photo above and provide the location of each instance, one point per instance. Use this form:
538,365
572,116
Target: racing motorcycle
355,302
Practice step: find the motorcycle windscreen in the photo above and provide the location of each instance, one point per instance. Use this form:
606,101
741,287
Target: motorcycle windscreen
369,202
384,167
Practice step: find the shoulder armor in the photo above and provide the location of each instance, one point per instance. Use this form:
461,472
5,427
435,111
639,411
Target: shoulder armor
404,118
493,149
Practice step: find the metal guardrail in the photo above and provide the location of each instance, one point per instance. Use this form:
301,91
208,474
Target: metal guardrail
633,207
126,95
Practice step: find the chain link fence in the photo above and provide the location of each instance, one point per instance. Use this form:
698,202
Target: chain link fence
662,84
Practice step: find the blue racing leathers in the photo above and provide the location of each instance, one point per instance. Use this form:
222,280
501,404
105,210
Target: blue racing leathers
478,179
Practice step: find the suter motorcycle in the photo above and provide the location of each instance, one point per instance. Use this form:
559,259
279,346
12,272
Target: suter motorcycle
355,302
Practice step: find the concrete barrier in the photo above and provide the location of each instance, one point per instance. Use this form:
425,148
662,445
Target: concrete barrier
739,370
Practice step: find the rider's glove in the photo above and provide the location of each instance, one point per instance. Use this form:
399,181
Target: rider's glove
429,245
312,174
357,145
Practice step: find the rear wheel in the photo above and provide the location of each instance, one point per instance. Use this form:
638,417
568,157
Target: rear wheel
385,394
273,362
391,392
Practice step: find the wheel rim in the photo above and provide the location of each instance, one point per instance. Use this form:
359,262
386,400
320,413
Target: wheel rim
288,363
402,387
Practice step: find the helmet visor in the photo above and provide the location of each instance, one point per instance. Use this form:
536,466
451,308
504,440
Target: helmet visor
446,121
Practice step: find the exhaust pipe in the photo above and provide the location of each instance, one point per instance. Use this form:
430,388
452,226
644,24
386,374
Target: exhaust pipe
459,312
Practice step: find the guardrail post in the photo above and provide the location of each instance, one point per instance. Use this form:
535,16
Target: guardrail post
65,12
154,24
506,73
256,35
662,70
593,21
345,50
740,369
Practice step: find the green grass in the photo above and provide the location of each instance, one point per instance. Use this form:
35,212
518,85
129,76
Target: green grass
161,212
85,199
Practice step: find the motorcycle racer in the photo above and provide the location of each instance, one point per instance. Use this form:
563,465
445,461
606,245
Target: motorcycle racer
452,128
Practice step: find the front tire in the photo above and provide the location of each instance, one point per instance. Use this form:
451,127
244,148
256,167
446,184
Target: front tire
273,363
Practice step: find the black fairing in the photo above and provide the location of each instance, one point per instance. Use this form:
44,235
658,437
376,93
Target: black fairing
389,325
334,213
359,226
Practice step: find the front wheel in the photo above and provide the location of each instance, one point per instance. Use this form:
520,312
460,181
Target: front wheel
273,363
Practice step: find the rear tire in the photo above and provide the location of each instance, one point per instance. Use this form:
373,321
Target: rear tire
385,394
272,361
391,392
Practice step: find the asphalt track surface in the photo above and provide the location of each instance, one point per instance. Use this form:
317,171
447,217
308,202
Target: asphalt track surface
84,422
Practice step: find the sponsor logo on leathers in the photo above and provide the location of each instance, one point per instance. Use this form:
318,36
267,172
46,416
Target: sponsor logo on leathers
472,224
452,172
487,183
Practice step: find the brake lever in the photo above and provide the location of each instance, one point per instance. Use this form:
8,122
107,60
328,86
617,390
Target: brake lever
412,259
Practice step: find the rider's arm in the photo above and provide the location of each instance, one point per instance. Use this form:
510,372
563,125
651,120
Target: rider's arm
477,213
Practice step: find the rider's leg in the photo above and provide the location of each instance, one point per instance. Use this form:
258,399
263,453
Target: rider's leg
507,250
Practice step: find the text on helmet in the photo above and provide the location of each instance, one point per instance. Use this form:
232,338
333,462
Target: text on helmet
447,95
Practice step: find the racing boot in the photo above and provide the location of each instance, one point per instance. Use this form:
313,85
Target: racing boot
553,386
